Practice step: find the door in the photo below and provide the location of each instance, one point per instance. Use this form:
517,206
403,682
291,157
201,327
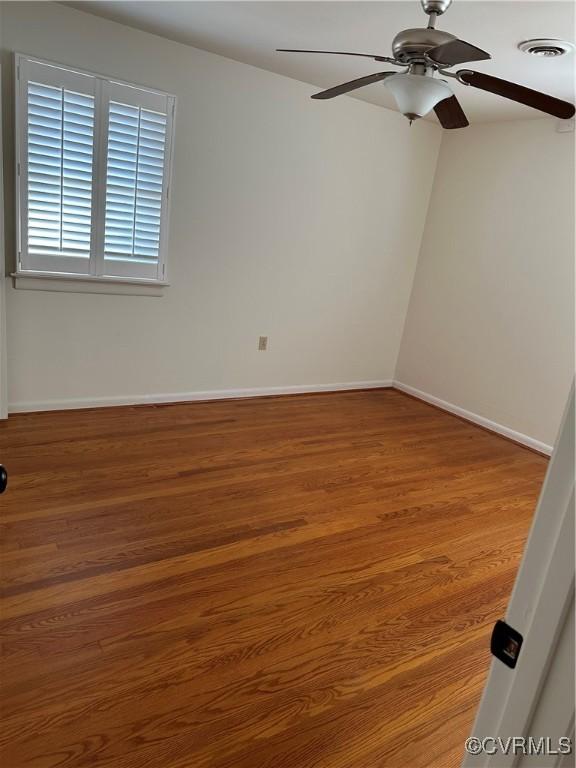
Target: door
3,361
536,698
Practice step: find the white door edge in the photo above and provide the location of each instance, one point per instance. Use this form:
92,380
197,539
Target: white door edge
542,594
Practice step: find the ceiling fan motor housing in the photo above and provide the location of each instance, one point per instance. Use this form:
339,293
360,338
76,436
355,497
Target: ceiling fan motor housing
435,6
411,44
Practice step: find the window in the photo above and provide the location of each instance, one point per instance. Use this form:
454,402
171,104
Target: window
93,175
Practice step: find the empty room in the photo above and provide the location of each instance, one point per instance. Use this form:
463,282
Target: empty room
286,384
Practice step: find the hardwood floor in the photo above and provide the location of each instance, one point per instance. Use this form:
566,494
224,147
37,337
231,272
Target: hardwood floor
291,582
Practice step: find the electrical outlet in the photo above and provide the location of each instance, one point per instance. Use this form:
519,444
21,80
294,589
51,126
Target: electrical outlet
263,343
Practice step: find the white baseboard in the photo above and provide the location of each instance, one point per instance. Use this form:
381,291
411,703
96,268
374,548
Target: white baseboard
183,397
493,426
227,394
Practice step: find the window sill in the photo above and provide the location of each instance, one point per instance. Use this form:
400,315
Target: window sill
39,281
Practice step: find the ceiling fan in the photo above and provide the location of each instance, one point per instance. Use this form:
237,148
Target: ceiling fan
425,51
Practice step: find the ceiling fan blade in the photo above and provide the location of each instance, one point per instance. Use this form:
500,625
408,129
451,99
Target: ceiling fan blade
456,52
337,53
519,93
352,85
450,113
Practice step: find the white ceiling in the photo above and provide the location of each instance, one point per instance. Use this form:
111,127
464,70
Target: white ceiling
250,31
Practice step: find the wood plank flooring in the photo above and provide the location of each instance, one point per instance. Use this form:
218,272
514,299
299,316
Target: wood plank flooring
290,582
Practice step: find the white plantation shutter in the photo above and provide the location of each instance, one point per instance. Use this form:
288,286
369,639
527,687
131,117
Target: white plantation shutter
93,174
58,148
135,180
60,154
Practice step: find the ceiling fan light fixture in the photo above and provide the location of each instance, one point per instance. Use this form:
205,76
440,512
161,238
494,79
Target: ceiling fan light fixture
416,95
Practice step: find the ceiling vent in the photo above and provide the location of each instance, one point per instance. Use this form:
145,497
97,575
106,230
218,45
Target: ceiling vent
546,48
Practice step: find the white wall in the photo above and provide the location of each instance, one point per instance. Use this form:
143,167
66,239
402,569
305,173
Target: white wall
491,317
303,220
291,218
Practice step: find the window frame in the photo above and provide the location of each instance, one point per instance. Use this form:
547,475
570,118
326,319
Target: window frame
103,87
